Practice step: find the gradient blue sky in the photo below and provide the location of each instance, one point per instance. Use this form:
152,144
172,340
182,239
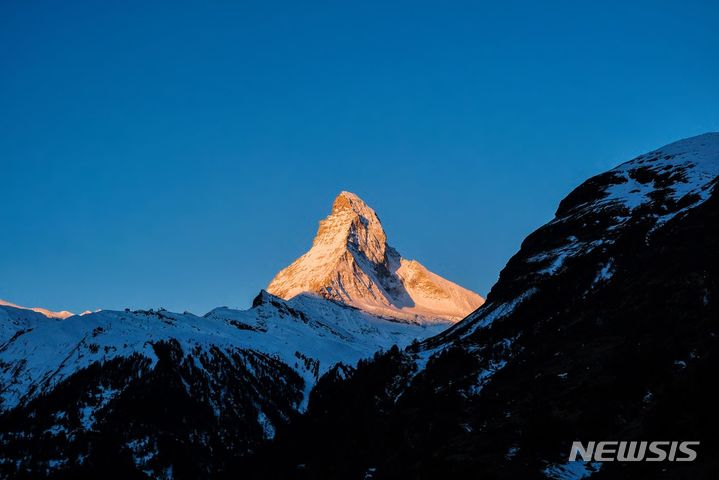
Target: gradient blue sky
178,155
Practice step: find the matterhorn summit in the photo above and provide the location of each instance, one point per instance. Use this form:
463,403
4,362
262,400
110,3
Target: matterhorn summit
351,262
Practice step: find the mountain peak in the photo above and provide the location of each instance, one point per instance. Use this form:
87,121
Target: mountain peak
352,225
44,311
347,200
350,261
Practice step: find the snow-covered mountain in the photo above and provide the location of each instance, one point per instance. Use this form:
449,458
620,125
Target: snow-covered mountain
351,262
602,326
308,333
605,325
68,383
238,373
343,300
43,311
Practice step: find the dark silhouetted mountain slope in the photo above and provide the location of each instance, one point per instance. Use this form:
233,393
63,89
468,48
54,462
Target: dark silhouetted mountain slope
604,326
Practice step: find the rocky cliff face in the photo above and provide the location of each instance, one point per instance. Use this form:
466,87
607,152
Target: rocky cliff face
604,326
351,262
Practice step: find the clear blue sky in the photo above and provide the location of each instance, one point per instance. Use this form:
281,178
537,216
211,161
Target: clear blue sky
180,154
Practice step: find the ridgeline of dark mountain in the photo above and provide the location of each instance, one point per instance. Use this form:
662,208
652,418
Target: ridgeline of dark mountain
602,327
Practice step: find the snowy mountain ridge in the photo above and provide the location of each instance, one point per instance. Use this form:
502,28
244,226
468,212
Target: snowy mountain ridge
350,261
308,333
648,191
43,311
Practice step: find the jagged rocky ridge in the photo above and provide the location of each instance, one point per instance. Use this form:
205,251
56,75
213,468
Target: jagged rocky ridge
604,326
350,261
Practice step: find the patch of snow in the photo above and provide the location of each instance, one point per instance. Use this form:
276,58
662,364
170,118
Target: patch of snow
142,451
168,474
88,411
369,474
56,463
491,313
604,273
572,470
557,257
266,424
693,163
485,375
56,430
